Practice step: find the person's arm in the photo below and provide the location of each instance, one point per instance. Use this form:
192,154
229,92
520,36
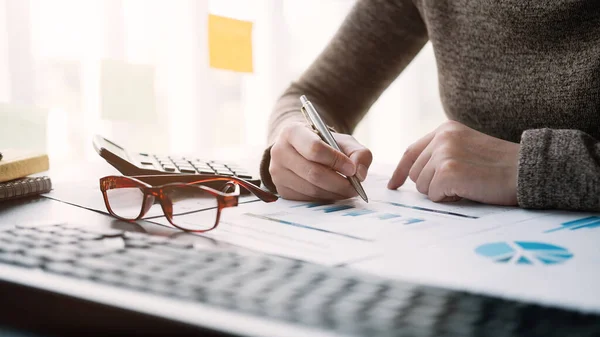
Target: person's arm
377,40
559,169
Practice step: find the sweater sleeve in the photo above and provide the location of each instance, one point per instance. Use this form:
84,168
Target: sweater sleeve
559,169
377,40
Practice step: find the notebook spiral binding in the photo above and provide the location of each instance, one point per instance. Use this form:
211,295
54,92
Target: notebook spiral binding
20,188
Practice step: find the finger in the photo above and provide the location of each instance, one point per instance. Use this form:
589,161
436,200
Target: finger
415,171
423,181
291,180
311,147
315,173
359,155
444,181
408,159
290,194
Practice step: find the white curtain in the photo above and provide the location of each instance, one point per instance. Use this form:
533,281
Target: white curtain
137,71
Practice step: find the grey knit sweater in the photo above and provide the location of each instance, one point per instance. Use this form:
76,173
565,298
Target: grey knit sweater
523,71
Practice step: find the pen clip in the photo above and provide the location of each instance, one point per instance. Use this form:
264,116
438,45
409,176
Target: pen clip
309,122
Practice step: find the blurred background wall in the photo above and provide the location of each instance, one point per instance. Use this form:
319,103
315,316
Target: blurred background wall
138,72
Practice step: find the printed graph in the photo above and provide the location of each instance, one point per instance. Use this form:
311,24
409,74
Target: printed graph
345,210
589,222
430,210
524,253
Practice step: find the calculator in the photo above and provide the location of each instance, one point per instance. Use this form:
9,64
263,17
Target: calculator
135,164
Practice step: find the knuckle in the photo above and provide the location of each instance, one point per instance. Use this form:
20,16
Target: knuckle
289,129
448,167
452,125
445,135
446,150
276,151
273,171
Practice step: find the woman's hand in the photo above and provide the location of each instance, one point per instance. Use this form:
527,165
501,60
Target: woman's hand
455,161
303,167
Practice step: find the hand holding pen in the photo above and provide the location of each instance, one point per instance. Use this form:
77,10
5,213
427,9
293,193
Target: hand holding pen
304,167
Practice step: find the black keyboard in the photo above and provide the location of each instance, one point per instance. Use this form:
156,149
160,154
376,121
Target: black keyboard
197,166
334,299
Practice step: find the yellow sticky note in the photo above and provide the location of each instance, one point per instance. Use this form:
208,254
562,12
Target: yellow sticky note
230,44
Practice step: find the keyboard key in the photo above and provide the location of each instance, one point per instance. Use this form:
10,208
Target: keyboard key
86,236
106,232
6,237
110,278
11,248
7,257
82,272
97,264
135,235
27,261
49,254
59,267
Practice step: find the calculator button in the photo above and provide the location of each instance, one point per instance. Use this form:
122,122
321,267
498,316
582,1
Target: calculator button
207,172
244,175
146,163
169,168
187,170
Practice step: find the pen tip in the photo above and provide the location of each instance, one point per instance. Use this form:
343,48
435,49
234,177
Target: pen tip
303,99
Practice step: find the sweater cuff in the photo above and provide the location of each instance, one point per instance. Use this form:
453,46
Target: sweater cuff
265,176
531,177
551,173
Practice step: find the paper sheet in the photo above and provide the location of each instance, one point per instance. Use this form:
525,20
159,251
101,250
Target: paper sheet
230,44
553,259
392,219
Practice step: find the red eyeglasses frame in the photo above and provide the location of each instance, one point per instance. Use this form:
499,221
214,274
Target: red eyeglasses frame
151,192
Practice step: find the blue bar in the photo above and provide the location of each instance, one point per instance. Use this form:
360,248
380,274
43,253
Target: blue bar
387,216
581,221
359,212
589,222
336,208
586,225
412,221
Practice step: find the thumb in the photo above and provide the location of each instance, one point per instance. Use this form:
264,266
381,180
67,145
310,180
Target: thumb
358,154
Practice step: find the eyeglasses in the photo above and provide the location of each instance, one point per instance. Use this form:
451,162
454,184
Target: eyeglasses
131,198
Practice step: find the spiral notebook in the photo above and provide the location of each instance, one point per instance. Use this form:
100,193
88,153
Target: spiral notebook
20,188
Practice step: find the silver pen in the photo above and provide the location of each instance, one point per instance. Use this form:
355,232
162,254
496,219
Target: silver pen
312,116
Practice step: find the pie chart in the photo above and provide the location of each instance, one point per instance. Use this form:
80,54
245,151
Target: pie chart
524,252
